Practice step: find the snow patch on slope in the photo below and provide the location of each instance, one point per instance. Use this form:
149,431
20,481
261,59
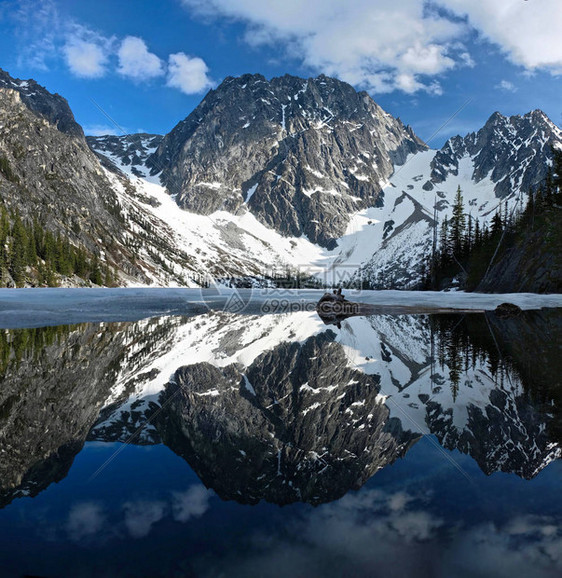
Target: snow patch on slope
384,244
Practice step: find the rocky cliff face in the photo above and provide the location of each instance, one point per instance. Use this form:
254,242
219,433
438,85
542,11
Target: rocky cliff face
50,174
300,154
52,392
55,382
52,107
54,177
512,152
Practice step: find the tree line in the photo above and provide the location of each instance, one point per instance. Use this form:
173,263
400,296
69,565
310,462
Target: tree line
30,253
464,249
18,344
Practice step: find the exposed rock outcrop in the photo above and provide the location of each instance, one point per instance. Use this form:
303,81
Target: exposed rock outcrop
302,155
512,151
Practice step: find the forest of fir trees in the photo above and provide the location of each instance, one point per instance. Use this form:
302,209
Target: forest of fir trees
464,250
32,255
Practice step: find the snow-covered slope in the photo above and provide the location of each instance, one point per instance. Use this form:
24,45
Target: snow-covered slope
198,248
130,150
400,233
494,168
383,244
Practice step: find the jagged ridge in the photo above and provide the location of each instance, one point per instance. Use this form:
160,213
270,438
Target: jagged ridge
513,151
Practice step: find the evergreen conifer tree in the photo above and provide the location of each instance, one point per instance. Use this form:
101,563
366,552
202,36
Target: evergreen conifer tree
457,225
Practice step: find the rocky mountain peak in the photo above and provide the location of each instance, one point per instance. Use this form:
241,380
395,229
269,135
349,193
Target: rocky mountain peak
539,116
517,126
130,150
301,154
52,107
510,151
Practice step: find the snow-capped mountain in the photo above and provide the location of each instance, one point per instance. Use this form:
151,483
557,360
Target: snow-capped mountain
263,177
260,387
287,428
511,151
301,155
283,177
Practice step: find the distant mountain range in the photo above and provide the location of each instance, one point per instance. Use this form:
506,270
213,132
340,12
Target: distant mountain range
263,176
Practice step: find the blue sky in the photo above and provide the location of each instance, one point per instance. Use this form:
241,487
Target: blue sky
139,65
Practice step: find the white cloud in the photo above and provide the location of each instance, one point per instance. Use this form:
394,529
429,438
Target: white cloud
397,515
506,86
192,503
426,59
140,516
526,546
101,130
528,32
37,26
86,53
371,532
467,59
397,502
380,46
45,37
374,533
136,62
85,59
189,74
85,519
388,45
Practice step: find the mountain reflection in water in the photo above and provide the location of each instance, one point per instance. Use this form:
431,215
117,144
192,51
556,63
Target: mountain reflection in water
282,408
379,436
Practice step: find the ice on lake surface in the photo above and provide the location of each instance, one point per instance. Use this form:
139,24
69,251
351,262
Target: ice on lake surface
158,432
37,307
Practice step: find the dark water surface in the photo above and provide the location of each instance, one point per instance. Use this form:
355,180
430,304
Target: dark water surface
213,442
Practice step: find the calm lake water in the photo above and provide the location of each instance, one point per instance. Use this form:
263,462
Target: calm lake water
188,433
